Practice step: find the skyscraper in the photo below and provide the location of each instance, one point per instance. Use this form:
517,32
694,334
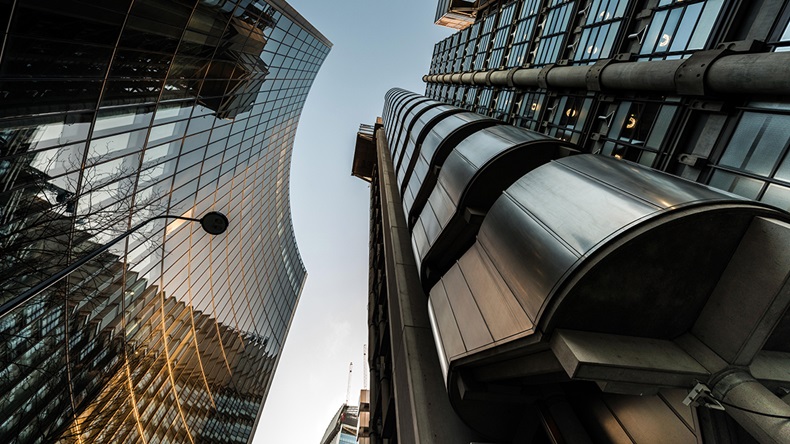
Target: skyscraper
342,429
580,232
112,113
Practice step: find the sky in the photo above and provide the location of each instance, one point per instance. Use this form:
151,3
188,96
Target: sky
377,45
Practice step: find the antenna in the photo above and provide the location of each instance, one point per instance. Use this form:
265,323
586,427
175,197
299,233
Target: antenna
348,386
364,366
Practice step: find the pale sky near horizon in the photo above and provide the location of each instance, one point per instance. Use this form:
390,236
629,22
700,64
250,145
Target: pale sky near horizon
377,45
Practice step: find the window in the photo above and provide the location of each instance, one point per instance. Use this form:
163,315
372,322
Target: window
501,36
471,96
525,26
637,131
558,20
529,108
600,29
504,104
568,118
471,46
781,35
755,163
460,50
679,27
485,101
483,42
460,92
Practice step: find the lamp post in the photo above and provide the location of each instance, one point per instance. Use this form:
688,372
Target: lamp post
213,223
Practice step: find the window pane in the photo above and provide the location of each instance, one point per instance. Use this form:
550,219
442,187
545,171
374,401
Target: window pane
660,127
757,143
744,186
777,196
687,24
705,25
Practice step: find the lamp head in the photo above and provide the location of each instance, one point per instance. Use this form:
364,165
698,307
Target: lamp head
214,223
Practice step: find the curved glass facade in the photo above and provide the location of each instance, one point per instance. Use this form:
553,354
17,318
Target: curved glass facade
113,113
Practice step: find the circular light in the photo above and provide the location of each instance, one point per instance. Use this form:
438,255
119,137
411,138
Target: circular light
617,156
665,40
605,15
631,122
570,112
592,49
534,107
214,223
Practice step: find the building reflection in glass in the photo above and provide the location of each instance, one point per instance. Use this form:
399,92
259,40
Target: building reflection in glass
113,113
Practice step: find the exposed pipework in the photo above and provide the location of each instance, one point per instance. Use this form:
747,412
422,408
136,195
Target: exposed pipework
705,72
739,388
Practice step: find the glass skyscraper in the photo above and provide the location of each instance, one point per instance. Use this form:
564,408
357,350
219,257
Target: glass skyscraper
111,113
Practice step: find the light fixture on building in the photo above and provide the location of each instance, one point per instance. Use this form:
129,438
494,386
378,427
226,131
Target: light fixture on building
631,122
604,15
534,106
592,49
570,112
664,40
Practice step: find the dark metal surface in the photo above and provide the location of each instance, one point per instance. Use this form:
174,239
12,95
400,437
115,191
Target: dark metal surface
473,176
408,123
438,144
582,241
418,132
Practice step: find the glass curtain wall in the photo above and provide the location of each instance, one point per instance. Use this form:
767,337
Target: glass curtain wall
114,112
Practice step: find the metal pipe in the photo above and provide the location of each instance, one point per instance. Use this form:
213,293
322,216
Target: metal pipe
760,73
499,78
23,298
763,73
568,76
527,78
657,75
740,389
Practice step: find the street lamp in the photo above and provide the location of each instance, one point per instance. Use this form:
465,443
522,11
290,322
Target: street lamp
213,223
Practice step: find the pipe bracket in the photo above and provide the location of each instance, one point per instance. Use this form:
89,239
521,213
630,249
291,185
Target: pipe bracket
511,72
542,76
594,74
690,76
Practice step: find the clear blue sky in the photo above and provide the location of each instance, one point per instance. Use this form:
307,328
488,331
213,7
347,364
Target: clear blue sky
377,45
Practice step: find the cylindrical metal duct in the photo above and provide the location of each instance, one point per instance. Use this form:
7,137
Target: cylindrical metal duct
741,389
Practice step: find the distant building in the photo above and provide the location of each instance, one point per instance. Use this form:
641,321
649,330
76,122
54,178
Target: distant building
342,428
580,233
112,113
363,429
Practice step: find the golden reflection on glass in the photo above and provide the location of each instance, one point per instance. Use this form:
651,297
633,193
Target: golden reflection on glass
570,112
534,107
631,122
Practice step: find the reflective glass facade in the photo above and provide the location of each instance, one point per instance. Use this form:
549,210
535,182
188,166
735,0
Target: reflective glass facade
112,113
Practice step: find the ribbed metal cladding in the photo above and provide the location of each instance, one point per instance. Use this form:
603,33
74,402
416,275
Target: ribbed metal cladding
479,159
574,241
112,113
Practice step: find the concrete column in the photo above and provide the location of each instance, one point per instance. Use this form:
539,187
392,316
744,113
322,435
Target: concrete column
422,405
